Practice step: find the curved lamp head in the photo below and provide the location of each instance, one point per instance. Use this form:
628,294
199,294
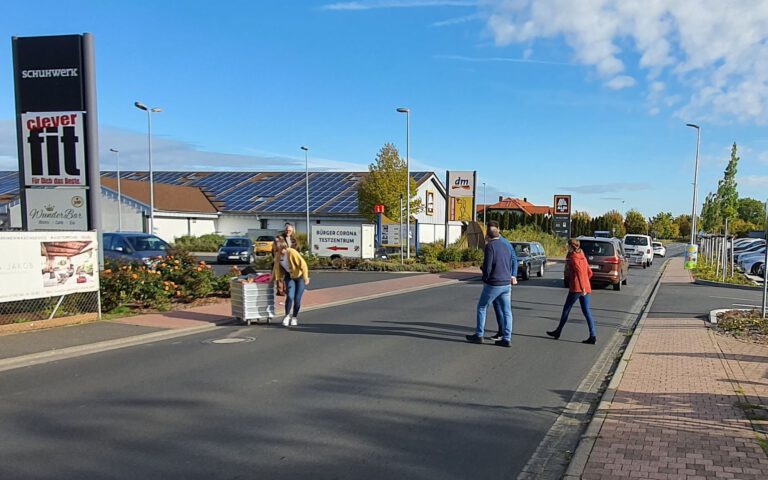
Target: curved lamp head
692,125
114,150
140,106
404,110
305,149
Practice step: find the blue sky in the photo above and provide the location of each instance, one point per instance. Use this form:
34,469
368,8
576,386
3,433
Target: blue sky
548,97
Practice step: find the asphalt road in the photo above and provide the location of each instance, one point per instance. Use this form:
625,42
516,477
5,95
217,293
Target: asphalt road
380,389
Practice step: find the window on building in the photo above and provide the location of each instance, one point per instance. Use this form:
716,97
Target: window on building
430,203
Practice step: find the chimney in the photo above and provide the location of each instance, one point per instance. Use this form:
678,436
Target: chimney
525,199
501,198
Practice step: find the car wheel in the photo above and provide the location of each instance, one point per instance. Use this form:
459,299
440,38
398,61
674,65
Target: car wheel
756,269
526,274
645,265
617,286
625,281
541,270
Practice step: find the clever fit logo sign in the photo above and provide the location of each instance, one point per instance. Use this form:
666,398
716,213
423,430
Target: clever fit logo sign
54,152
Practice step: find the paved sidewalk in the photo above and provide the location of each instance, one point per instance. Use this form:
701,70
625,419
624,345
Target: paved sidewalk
678,410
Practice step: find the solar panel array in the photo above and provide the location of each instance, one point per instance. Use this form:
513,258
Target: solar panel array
254,192
9,183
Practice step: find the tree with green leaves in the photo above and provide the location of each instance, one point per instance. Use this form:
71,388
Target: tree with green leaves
611,221
727,195
751,210
683,224
384,184
710,214
663,226
635,222
580,224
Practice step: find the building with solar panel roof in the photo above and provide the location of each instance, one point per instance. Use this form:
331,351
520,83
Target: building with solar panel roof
240,203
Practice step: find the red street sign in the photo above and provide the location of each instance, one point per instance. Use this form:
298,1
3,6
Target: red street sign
335,248
378,208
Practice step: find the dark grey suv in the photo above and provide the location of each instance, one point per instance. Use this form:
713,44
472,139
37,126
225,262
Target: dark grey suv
134,247
531,258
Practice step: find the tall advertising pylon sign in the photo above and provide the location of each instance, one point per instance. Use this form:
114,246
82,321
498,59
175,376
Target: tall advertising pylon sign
460,197
562,216
57,132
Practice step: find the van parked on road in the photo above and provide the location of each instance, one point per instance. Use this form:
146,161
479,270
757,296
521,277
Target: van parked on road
639,248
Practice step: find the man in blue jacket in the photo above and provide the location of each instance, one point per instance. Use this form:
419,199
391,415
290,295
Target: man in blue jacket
497,286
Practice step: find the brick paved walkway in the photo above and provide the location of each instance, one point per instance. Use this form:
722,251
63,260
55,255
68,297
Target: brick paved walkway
679,410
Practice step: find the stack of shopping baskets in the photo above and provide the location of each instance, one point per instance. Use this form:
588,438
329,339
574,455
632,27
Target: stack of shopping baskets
253,298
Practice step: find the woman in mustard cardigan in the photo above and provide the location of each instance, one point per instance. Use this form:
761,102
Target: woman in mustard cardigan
291,267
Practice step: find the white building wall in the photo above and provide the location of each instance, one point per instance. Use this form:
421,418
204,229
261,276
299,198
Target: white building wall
132,218
201,226
229,224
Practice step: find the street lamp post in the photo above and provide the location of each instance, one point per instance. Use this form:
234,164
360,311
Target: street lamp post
119,192
306,180
407,113
695,182
484,205
150,111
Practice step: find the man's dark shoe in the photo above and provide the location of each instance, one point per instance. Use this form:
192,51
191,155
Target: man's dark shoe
498,336
474,339
590,341
554,334
502,343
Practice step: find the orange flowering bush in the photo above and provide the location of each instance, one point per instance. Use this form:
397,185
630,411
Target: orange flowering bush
179,277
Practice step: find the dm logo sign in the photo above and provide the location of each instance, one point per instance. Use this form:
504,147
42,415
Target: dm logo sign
54,151
461,184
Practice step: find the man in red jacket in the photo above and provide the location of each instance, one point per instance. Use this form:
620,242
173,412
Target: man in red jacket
579,289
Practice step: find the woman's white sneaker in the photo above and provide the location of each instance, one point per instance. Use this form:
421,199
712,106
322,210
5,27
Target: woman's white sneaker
287,320
294,322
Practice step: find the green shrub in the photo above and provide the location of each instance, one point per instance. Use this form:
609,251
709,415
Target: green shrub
474,255
380,266
707,271
205,243
451,254
429,252
554,246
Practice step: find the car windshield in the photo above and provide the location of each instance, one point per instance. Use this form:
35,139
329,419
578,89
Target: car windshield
656,244
145,244
597,249
635,240
236,242
521,248
265,238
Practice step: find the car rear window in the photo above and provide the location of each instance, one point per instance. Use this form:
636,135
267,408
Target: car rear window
597,249
145,244
265,238
635,240
521,248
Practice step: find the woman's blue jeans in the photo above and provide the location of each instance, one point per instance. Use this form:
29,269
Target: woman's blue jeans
501,294
584,301
294,290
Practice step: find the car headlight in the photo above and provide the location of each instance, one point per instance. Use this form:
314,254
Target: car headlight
146,260
221,251
244,252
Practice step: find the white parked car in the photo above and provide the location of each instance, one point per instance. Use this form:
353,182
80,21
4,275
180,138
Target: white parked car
639,249
751,263
659,249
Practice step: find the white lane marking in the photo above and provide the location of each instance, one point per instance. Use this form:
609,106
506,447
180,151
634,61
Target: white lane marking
746,305
731,298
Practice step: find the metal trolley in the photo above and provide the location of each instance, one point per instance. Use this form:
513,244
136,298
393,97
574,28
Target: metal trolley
252,301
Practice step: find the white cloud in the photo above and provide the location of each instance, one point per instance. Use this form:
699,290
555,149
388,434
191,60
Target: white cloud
760,181
715,50
607,188
620,82
170,154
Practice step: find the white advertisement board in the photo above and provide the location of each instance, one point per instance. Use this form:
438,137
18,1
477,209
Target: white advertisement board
54,149
47,264
353,241
57,209
461,184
